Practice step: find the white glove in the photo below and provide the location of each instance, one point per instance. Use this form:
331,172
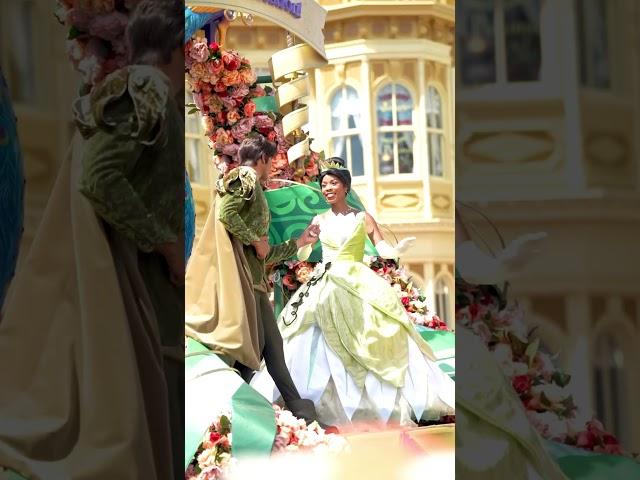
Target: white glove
387,251
305,252
477,267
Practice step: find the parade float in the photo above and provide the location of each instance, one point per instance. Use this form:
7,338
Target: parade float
232,102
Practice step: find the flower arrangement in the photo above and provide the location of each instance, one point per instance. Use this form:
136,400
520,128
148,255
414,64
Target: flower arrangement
214,458
224,88
539,384
414,301
96,42
294,274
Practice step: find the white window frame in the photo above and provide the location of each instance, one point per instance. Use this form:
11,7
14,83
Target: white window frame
346,132
442,131
396,129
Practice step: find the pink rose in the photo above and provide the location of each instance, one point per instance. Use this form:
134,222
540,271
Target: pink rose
231,61
228,103
79,18
241,129
199,51
233,116
223,137
239,92
198,71
586,440
248,76
214,103
263,121
220,87
109,27
272,136
249,109
207,125
198,100
258,91
231,77
231,149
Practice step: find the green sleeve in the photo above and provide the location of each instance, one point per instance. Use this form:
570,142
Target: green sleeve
229,215
106,159
281,252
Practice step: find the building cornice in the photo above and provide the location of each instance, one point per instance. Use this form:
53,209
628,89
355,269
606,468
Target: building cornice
358,9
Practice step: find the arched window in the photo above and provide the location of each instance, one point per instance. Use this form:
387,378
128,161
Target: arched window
610,385
435,132
442,297
499,41
346,141
395,134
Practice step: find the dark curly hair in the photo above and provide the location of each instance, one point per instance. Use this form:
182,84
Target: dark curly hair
154,31
253,147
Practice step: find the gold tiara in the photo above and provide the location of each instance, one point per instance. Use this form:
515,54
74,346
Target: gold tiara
331,165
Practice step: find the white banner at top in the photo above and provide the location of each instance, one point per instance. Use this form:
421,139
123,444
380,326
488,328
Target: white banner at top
303,18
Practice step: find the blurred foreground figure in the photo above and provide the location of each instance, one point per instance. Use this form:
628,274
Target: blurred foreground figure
11,190
92,330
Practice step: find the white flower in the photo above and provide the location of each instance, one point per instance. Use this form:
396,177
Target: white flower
515,368
553,392
553,426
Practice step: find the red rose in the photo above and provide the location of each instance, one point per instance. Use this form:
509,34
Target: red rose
521,383
289,281
473,310
609,439
272,136
230,61
405,301
213,46
220,87
533,404
214,437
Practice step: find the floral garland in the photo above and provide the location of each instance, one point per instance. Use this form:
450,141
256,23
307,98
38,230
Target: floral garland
96,42
224,88
214,459
294,274
539,384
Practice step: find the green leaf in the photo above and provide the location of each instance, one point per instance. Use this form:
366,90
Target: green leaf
544,400
531,350
74,32
190,105
192,111
561,379
225,425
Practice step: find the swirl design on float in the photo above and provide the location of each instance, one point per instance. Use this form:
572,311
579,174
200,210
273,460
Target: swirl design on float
289,71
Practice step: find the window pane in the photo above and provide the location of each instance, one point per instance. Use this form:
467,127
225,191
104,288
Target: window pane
405,151
339,147
435,155
385,153
475,41
434,108
404,104
337,110
384,108
357,157
353,108
522,37
192,157
594,43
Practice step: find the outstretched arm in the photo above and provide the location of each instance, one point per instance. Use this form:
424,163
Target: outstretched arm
384,249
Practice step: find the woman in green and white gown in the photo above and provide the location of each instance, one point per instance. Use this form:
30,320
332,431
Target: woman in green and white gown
349,344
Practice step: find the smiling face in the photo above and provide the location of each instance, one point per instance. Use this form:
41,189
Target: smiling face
333,189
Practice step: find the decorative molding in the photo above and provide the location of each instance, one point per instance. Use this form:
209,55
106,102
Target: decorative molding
607,149
400,200
533,146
